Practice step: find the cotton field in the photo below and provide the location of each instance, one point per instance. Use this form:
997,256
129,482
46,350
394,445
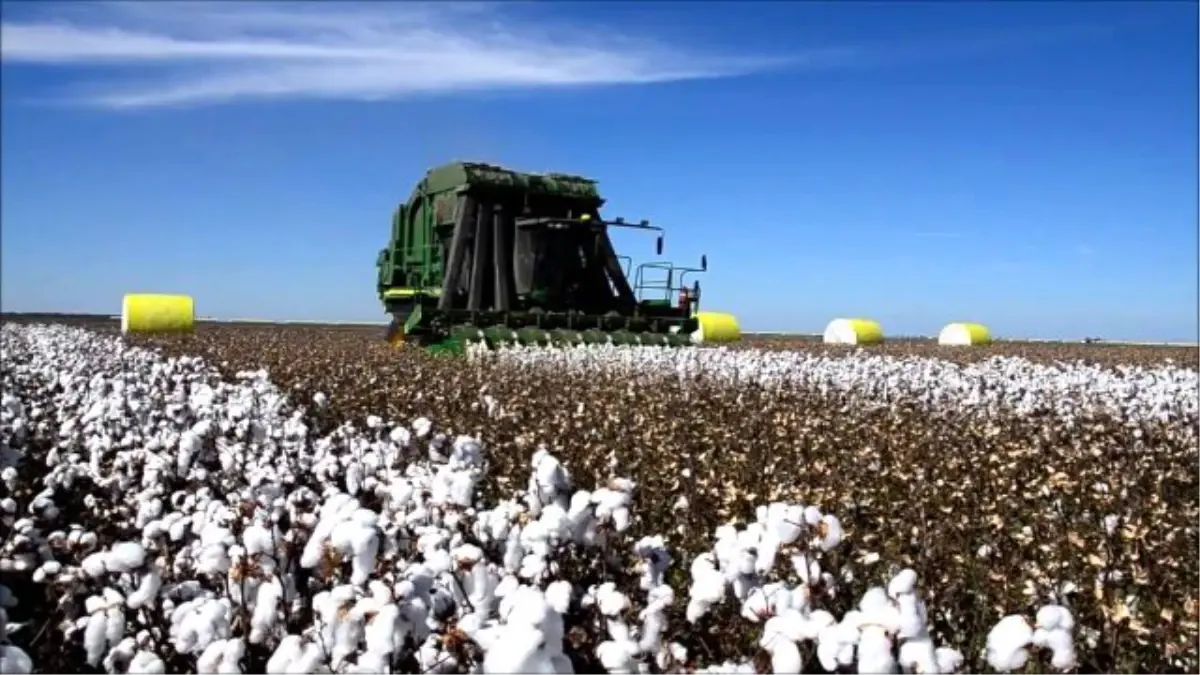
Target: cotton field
307,500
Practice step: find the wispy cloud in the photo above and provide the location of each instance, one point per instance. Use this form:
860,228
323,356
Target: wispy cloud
184,53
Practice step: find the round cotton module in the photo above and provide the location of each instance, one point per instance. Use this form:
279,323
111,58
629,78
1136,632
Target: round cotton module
157,313
964,335
853,332
716,327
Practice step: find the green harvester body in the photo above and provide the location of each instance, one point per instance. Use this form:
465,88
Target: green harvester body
484,253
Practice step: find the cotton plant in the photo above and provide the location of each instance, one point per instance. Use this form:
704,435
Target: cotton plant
1010,640
210,507
887,630
877,381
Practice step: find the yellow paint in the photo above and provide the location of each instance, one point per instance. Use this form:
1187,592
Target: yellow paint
964,334
853,332
155,313
717,327
411,292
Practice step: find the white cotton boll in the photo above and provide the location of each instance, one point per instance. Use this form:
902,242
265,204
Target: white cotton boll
114,625
190,446
610,601
654,561
422,426
94,565
789,623
14,660
918,656
516,651
707,587
146,663
949,660
903,583
354,478
1061,645
875,651
258,540
911,616
95,640
365,545
266,601
380,631
829,532
147,590
210,659
785,655
756,606
558,596
1007,643
617,656
785,522
816,622
808,569
836,644
1054,617
231,655
289,650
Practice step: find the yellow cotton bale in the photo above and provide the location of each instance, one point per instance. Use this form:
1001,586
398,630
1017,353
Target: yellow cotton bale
964,335
157,313
716,327
853,332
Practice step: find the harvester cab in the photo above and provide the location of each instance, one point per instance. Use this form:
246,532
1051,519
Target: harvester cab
480,253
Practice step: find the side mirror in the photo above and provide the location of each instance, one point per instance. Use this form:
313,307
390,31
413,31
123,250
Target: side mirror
696,289
704,263
658,245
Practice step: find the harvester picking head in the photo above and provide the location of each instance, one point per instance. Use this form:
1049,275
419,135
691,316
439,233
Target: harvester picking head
480,253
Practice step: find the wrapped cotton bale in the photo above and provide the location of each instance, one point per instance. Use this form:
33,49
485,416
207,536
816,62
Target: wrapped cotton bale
853,332
964,335
157,313
716,327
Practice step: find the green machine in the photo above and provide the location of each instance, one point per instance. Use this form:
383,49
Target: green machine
484,253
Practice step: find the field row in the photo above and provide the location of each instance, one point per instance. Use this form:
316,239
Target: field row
1102,354
995,510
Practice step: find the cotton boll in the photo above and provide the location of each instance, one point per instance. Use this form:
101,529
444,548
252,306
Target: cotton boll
266,602
756,607
210,659
911,616
14,660
1061,645
829,533
148,586
949,660
654,561
146,663
903,583
289,650
918,656
558,596
875,651
1054,617
785,655
617,656
836,644
94,565
95,640
610,601
1007,643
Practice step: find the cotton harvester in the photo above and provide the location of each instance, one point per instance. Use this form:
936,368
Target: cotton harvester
481,253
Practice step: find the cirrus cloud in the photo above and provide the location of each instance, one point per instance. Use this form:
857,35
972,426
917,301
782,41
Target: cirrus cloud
188,53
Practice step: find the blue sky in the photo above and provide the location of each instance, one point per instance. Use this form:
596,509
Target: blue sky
1030,165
